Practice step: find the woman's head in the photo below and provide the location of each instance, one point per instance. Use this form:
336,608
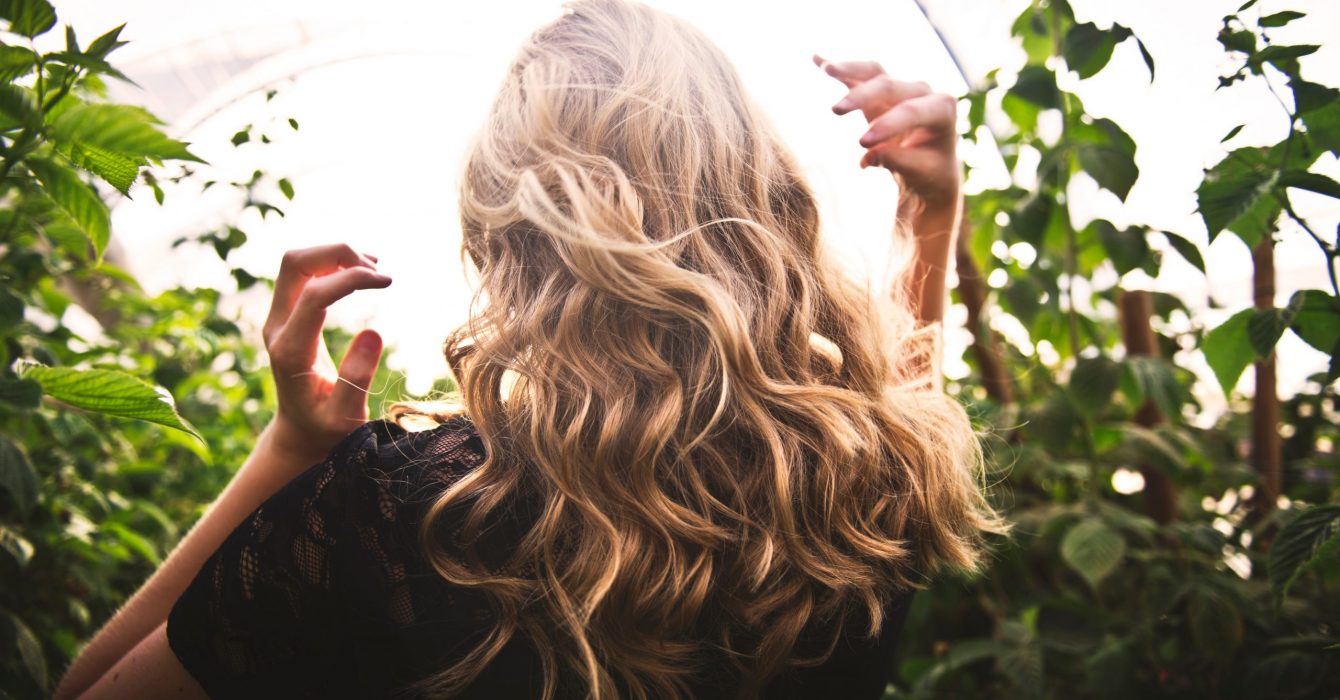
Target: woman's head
716,444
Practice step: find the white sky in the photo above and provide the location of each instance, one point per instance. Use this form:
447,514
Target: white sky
388,93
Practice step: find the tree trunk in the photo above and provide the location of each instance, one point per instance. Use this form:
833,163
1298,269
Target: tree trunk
1267,451
1136,310
985,346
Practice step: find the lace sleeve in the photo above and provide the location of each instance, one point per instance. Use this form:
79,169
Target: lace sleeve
267,612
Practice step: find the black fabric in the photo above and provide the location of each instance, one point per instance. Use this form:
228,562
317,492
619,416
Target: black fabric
323,590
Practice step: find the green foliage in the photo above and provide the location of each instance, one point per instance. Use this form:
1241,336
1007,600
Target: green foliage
108,392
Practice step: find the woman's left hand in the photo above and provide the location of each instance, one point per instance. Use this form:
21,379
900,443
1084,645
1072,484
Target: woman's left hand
913,130
318,404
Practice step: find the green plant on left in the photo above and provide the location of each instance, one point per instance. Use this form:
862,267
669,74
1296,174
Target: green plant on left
90,502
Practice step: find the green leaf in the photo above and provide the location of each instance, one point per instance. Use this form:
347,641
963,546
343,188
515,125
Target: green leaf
1112,167
1148,57
28,17
1238,195
92,64
1320,112
17,478
78,200
109,392
1231,133
1188,250
21,104
1285,58
1152,379
1128,248
11,309
1313,534
16,62
1147,447
107,43
1093,550
30,649
1317,320
123,129
1279,19
1038,86
1092,383
115,169
1312,182
293,123
286,187
1228,349
1265,327
1216,624
1087,49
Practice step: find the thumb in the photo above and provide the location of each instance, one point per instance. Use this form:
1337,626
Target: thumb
350,396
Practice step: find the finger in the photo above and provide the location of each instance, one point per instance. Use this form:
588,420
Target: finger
879,94
851,73
349,399
296,342
298,266
935,113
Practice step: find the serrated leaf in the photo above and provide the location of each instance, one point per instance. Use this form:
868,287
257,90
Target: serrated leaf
28,17
20,104
1093,550
1317,320
109,392
1112,167
1265,327
78,200
1237,195
107,43
1313,534
17,478
16,62
117,170
1228,350
1092,383
89,63
1188,250
129,131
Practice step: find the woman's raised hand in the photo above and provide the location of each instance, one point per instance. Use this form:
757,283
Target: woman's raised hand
318,404
912,131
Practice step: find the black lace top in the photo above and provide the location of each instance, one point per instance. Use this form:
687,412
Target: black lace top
323,591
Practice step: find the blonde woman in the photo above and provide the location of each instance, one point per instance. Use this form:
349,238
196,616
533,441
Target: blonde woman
689,460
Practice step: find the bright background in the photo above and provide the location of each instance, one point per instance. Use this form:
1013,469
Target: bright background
388,93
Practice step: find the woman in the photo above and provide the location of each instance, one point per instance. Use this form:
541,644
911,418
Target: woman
691,462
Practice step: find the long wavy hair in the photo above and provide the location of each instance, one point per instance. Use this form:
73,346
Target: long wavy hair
721,443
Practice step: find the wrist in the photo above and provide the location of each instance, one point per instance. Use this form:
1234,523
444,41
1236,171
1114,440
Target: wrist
290,444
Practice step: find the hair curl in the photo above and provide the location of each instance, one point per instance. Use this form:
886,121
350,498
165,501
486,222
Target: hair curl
722,443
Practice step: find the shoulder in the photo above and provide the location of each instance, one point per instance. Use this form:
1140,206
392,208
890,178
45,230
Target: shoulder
406,461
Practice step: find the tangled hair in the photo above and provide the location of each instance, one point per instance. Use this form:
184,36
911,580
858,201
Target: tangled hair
720,447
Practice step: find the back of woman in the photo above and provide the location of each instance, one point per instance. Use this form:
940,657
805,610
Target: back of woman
689,459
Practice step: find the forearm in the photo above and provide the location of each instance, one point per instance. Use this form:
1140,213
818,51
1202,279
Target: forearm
270,466
933,229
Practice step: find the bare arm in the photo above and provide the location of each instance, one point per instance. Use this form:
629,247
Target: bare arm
316,409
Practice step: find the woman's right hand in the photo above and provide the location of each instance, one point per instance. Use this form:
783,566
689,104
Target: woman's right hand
318,404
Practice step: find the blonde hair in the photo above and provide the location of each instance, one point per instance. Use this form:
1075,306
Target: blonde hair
719,452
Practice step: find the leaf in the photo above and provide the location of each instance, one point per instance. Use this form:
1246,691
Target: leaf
293,123
107,43
1216,624
16,62
1323,127
29,648
1188,250
92,64
1087,49
123,129
78,200
1112,167
1093,550
1228,350
117,170
1285,58
1237,195
286,187
1148,57
28,17
1317,320
23,393
21,104
1266,326
109,392
1092,383
11,309
1312,535
1312,182
1038,86
1127,248
19,549
17,477
1279,19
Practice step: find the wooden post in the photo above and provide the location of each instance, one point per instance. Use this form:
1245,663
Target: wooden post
985,347
1267,450
1136,309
